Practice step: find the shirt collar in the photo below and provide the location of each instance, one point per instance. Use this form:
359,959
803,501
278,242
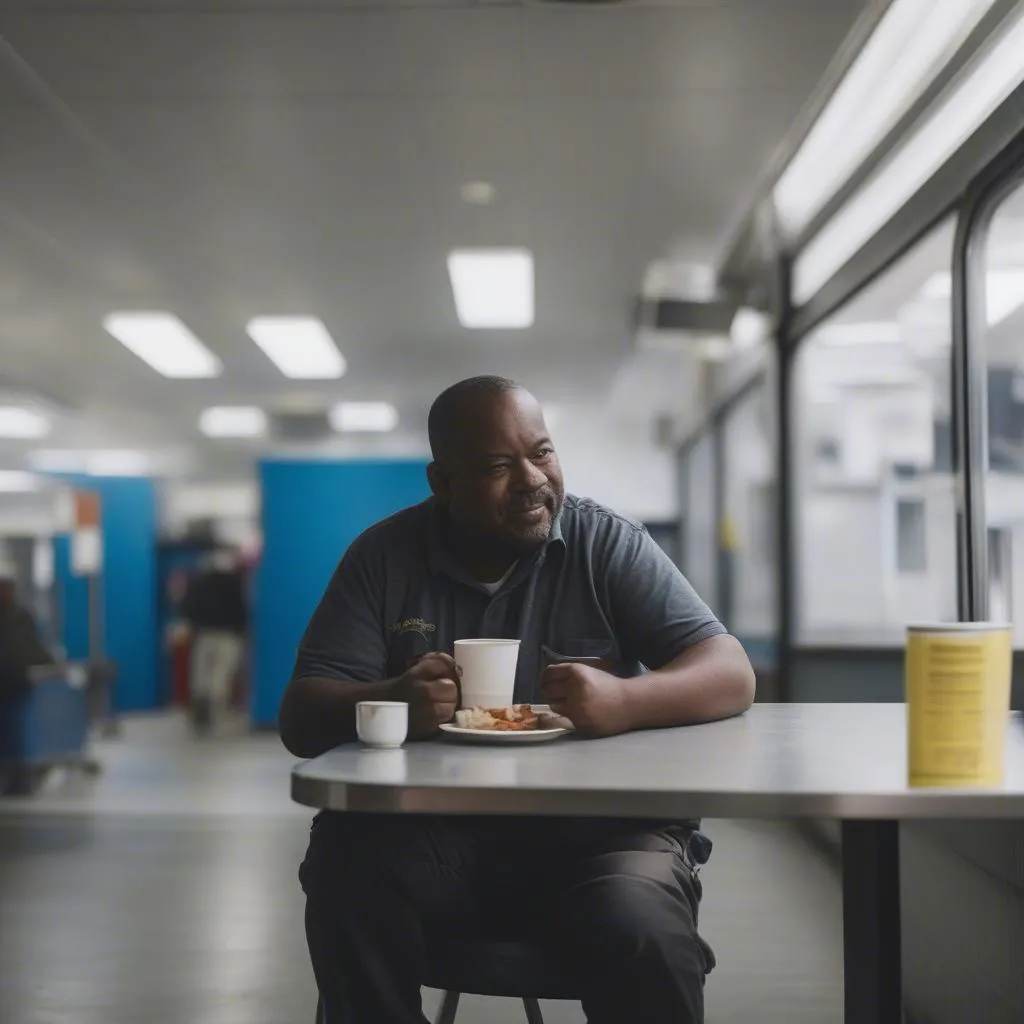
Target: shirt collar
439,558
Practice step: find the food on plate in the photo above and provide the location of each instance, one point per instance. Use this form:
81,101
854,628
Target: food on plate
511,719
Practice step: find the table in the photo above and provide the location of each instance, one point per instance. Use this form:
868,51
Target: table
844,761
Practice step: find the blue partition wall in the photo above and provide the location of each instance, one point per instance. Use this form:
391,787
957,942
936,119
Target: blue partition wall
129,528
311,512
73,595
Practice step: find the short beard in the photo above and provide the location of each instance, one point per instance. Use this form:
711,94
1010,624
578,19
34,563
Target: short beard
526,541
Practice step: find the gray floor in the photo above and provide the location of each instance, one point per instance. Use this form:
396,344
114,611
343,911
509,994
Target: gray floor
165,893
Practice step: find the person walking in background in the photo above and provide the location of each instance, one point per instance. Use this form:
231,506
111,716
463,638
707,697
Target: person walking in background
216,611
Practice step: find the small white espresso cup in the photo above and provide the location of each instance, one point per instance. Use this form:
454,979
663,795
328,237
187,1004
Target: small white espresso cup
487,674
382,723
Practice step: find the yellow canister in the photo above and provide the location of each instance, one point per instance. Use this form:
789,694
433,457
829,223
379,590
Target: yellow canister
958,701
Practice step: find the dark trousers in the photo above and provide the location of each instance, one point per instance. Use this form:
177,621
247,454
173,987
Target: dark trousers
618,900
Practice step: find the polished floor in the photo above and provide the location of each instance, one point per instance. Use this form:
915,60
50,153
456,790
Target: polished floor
164,892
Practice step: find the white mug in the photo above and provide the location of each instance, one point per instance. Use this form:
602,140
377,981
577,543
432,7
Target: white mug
382,723
487,675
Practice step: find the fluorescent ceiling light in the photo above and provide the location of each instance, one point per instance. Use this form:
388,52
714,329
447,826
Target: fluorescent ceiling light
50,460
911,44
989,79
118,463
164,342
364,417
93,462
299,346
493,288
16,481
233,421
749,328
478,193
1004,292
883,332
19,422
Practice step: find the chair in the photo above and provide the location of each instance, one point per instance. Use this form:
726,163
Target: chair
517,968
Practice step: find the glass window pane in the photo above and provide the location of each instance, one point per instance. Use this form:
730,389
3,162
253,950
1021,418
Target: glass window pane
699,520
748,530
1004,348
875,514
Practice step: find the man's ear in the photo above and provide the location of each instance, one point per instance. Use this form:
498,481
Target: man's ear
439,486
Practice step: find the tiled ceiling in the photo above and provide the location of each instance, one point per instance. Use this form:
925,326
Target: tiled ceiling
302,157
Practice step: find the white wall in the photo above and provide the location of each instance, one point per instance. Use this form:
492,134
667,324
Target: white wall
232,505
840,585
749,460
34,514
1004,497
850,589
611,460
701,531
616,463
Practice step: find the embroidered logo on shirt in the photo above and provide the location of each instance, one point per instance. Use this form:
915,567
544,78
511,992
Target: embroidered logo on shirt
418,626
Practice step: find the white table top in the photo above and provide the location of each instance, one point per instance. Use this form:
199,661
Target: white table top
776,761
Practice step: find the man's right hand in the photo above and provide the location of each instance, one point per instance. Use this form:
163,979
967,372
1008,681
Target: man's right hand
430,689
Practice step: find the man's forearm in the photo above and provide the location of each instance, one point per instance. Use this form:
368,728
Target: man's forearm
318,713
711,680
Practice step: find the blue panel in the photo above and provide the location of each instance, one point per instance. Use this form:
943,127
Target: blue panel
73,595
311,512
130,588
129,526
45,724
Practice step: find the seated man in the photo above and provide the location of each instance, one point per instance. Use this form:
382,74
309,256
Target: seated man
21,647
501,551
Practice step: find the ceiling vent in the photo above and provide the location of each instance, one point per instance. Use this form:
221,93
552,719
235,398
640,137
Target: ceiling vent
299,427
684,315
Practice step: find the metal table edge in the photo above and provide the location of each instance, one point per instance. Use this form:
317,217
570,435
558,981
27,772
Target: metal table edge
402,798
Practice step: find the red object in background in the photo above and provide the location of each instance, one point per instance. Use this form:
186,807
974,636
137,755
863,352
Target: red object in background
181,664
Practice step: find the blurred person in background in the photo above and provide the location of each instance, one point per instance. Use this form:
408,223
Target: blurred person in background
21,646
216,611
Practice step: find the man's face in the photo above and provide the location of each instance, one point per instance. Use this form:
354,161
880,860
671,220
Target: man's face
502,481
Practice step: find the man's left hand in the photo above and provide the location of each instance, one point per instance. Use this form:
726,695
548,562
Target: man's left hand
594,701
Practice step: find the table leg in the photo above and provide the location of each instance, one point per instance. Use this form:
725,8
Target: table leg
871,923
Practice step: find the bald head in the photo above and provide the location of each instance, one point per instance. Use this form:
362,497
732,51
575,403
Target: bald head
453,412
494,467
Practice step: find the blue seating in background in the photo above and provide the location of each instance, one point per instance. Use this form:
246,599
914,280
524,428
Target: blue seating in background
44,726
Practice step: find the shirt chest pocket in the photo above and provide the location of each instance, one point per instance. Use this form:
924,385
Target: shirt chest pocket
602,651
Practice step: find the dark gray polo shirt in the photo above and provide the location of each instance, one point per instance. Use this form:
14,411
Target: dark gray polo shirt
599,587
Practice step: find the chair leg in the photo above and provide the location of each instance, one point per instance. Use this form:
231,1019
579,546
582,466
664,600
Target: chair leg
448,1008
533,1014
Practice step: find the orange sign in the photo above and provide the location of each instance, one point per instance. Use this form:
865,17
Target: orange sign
87,509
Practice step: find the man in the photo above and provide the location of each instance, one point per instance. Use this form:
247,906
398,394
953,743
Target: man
21,646
215,610
501,551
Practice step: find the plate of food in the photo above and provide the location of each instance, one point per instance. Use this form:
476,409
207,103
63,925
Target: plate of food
520,723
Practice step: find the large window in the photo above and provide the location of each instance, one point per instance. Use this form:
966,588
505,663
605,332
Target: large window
748,527
1004,349
875,515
